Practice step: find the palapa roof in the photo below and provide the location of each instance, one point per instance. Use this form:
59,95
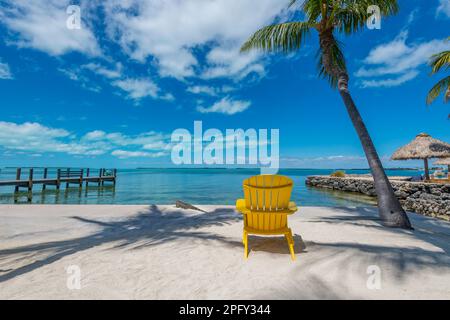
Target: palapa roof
444,161
423,147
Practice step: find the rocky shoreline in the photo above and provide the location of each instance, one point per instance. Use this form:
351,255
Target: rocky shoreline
429,199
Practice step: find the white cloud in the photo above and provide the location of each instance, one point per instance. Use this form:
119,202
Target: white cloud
225,62
390,82
147,140
209,90
95,135
77,75
171,36
123,154
140,88
398,58
444,8
332,161
105,72
226,106
42,25
5,72
169,31
135,89
35,138
71,74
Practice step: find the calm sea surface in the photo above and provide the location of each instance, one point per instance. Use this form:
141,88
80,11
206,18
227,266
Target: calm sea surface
165,186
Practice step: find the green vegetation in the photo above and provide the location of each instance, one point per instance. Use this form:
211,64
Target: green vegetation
338,174
440,61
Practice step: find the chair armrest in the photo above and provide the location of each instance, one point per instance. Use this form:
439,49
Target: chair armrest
292,207
240,206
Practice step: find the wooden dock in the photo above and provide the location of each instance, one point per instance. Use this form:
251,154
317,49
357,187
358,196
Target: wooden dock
63,176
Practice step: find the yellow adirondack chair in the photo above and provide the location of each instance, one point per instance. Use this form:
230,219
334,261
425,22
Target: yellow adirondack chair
266,207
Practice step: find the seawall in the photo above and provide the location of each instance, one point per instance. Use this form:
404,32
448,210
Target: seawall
430,199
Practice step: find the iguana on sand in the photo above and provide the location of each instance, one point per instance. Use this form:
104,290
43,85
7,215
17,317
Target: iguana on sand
184,205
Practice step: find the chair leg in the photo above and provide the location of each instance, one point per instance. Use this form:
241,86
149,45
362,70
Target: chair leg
290,241
245,241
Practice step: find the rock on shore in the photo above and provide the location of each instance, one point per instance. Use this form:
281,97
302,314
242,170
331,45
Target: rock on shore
430,199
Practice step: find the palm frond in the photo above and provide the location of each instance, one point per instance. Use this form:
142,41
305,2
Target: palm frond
351,15
441,86
285,37
312,9
387,7
439,61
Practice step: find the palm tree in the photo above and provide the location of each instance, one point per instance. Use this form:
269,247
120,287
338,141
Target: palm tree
439,61
329,17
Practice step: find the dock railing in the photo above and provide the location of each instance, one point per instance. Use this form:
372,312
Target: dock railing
68,176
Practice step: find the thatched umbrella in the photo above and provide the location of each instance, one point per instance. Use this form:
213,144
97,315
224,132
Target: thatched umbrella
423,147
444,162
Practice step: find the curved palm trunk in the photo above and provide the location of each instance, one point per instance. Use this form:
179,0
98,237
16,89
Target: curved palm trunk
426,169
390,210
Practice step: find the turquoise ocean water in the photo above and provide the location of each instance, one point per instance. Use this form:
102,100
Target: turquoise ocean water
198,186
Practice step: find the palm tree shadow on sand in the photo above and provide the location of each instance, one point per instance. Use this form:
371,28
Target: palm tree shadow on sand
275,244
148,228
153,227
402,260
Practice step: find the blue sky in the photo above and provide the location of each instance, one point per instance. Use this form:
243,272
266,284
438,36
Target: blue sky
111,93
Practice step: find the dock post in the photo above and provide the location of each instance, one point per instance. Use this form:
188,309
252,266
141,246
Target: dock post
44,186
30,180
58,179
81,178
100,177
30,185
104,172
18,172
68,175
115,175
87,176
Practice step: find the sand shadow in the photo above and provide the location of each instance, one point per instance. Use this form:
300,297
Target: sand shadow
275,244
401,260
153,227
150,227
427,229
315,289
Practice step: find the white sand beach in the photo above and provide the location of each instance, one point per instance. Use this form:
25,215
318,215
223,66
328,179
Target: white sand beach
160,252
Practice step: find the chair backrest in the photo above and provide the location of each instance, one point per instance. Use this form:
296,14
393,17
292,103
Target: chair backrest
267,193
